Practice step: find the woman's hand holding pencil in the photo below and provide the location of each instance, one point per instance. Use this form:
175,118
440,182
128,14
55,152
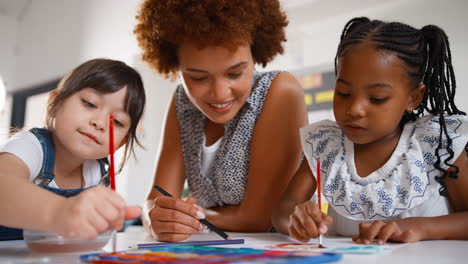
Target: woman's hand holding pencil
172,219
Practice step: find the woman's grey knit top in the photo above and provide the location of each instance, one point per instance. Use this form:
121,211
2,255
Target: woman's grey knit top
227,181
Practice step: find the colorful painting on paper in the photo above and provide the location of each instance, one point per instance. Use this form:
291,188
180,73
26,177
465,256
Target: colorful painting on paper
296,246
357,249
197,254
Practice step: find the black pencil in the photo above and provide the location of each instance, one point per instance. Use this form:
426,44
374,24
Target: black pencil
203,221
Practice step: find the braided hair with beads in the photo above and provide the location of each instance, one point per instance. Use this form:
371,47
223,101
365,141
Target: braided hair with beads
426,52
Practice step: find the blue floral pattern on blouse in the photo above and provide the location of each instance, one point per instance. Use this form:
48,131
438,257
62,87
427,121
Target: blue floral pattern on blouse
405,181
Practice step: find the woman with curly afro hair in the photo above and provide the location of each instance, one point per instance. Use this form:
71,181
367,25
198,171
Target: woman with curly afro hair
230,131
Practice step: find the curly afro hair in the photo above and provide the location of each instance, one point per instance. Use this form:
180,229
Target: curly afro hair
164,24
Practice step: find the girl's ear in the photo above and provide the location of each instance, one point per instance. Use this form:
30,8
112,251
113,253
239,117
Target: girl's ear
416,97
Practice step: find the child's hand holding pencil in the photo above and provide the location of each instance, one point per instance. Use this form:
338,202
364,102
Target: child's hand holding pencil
308,221
90,213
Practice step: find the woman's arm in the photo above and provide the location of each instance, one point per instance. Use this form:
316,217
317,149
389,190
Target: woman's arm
166,218
274,158
453,226
296,215
300,190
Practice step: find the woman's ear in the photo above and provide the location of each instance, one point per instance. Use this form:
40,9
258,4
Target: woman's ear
416,97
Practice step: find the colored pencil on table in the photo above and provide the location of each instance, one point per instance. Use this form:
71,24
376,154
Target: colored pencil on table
193,243
203,221
112,170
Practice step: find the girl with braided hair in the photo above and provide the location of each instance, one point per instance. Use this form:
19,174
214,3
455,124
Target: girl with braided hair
231,131
394,165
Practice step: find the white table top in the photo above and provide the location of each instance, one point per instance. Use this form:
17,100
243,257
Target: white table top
422,252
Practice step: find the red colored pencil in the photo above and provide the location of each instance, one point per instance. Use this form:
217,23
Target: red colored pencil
112,171
111,152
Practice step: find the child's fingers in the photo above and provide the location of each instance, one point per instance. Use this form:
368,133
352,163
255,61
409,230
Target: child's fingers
296,223
118,225
86,231
107,202
390,229
109,208
318,217
116,200
98,221
356,239
368,231
313,210
407,236
296,228
294,233
108,211
114,216
132,212
327,221
306,222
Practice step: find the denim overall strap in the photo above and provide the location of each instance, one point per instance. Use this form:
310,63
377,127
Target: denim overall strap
43,179
46,175
8,233
105,180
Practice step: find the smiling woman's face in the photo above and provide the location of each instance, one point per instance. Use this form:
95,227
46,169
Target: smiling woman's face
217,80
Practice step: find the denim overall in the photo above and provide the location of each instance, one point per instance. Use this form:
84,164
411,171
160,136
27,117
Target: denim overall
45,176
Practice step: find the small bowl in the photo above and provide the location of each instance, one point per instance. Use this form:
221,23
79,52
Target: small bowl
42,241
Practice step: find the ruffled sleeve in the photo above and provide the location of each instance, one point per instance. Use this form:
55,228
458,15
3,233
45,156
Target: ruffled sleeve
427,133
323,140
404,182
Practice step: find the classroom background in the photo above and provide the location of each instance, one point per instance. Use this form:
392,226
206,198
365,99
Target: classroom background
42,40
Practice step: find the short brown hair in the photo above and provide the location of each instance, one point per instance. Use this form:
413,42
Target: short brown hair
165,24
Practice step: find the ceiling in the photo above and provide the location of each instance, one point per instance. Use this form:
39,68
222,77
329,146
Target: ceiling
310,11
12,8
298,9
